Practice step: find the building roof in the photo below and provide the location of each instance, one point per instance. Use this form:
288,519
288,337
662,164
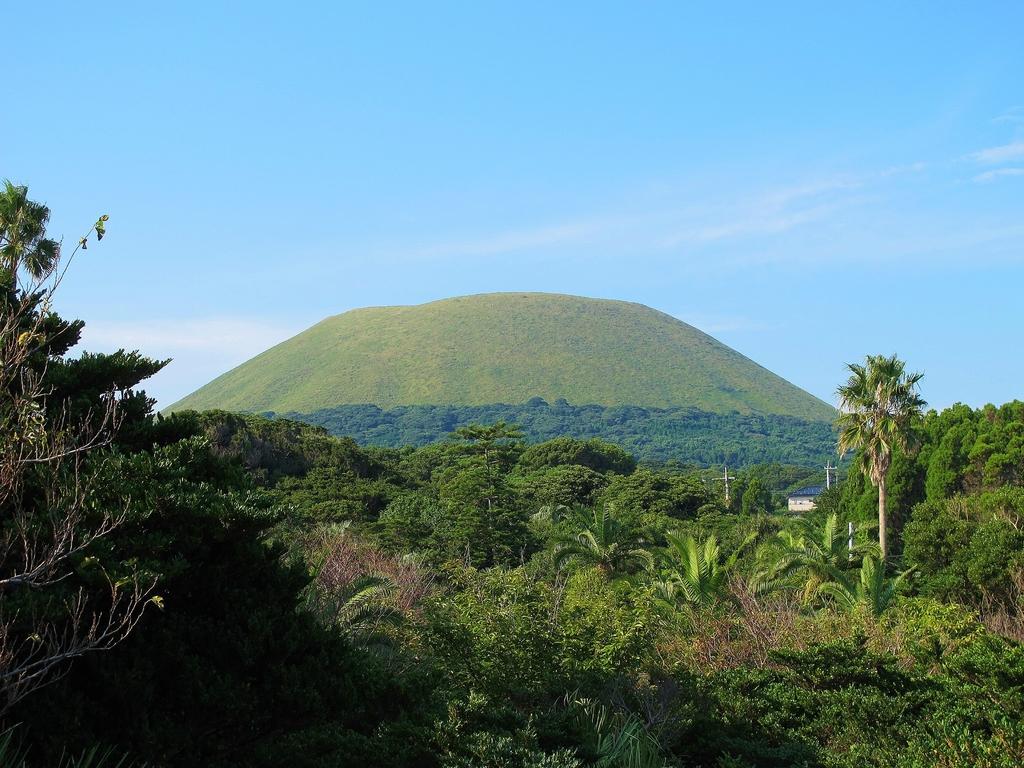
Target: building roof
810,491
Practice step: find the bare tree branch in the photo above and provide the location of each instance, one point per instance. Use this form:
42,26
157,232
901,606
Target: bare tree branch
50,462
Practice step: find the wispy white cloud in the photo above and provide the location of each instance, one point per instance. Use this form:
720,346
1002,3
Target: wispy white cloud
829,218
951,244
902,170
517,240
769,213
1002,154
998,173
232,337
1014,116
201,349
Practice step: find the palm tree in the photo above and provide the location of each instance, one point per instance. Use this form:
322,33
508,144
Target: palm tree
878,405
872,591
603,541
366,606
360,610
693,572
816,552
551,513
23,241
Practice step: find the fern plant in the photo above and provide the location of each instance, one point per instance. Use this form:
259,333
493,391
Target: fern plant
694,572
812,552
603,541
616,739
872,592
362,610
14,756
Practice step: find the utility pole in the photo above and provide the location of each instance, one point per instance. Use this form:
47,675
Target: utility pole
829,469
727,479
849,541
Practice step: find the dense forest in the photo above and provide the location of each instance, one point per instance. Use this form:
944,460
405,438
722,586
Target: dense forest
225,589
686,435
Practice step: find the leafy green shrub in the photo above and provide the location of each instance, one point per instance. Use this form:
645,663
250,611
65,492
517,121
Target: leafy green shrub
595,454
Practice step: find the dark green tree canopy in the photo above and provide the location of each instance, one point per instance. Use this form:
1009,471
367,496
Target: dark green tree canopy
595,454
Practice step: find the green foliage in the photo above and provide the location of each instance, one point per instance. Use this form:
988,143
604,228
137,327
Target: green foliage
487,525
693,572
502,647
872,592
496,445
811,551
11,756
63,594
674,434
603,629
930,630
979,716
653,499
359,610
271,450
334,494
594,454
510,637
417,522
880,405
960,451
756,498
230,655
532,633
23,241
839,704
616,739
967,548
478,732
497,637
950,456
483,748
832,705
598,538
567,485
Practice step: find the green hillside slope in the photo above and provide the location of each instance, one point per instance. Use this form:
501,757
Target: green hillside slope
504,348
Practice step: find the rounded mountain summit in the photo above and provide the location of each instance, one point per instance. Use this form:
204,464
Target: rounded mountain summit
504,348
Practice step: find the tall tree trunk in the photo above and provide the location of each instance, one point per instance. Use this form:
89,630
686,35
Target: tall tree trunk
883,499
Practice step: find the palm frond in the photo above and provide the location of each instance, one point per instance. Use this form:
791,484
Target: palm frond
616,739
601,540
873,591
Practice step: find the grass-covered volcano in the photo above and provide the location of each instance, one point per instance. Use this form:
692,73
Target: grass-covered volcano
505,348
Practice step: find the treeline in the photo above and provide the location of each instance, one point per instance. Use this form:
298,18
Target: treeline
685,435
959,503
564,607
486,602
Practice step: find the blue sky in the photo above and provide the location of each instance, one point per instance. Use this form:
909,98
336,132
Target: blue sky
807,184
